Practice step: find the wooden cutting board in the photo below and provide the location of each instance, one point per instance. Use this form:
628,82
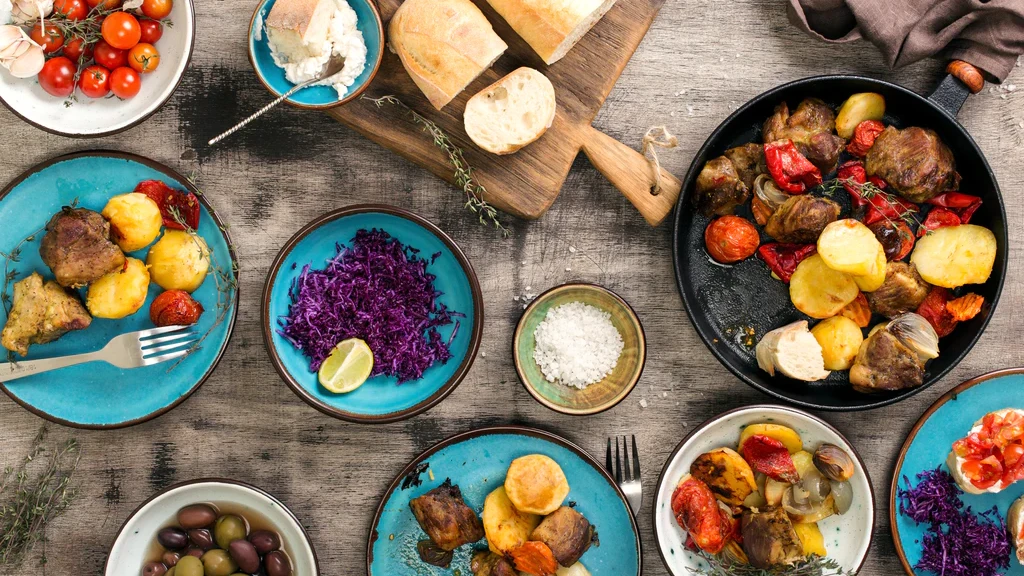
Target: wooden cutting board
526,183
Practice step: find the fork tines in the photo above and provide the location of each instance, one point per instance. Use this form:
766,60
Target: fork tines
165,343
623,472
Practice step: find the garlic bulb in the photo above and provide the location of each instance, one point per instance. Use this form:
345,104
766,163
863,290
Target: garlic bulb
19,54
5,11
28,11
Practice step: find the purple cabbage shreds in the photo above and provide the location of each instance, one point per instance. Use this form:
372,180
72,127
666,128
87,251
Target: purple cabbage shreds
378,290
958,542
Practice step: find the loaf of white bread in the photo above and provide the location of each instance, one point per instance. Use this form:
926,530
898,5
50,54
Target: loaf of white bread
444,45
512,112
551,27
299,28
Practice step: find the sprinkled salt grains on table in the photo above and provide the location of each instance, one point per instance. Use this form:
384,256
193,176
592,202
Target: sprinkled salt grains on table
576,345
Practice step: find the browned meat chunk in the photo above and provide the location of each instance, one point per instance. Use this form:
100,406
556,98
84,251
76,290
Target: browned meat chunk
903,291
748,161
489,564
719,188
567,533
769,538
433,554
444,516
885,363
77,247
801,219
40,313
811,128
914,162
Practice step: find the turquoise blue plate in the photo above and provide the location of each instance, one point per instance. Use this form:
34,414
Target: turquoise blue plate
381,399
930,441
477,461
98,395
316,97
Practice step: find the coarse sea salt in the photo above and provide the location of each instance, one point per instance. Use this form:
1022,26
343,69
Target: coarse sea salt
576,345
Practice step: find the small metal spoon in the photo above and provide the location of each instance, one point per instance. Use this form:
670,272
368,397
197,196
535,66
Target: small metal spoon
332,67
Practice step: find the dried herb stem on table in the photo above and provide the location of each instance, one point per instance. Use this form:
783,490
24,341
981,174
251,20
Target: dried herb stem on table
812,566
463,171
33,494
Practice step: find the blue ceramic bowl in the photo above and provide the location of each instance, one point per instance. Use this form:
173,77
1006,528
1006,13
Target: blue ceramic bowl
98,395
316,97
381,399
477,461
946,421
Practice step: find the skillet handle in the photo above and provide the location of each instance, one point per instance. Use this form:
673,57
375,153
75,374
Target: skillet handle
962,80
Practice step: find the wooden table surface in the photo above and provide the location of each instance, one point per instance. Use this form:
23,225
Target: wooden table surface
698,63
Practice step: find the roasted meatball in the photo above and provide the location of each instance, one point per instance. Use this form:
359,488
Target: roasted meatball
801,219
811,128
914,162
444,516
885,363
769,538
77,247
749,162
567,533
903,291
719,188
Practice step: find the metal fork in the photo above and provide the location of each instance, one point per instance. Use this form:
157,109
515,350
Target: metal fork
131,350
630,481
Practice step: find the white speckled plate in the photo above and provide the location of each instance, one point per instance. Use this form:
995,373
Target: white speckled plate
847,536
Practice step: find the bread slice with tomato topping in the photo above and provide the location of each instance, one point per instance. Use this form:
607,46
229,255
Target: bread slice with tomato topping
991,456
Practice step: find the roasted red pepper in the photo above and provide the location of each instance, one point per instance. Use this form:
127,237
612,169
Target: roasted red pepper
933,309
851,174
963,205
880,206
185,204
770,457
791,171
864,137
938,217
783,259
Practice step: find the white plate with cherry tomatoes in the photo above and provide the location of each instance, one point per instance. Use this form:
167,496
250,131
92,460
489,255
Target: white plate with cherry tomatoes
134,60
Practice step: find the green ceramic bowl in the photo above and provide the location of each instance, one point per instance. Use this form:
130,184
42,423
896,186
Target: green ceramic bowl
599,396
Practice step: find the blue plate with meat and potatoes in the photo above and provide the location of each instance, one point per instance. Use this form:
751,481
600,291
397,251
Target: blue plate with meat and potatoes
504,501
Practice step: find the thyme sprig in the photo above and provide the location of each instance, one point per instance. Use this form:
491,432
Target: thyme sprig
869,190
812,566
464,179
30,497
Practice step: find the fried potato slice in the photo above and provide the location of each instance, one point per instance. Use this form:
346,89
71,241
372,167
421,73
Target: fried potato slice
874,281
840,339
505,527
536,484
955,255
820,291
849,246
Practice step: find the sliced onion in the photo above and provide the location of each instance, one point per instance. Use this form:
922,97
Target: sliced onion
768,192
843,494
917,334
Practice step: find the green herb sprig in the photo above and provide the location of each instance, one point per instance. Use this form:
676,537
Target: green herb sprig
474,191
869,190
812,566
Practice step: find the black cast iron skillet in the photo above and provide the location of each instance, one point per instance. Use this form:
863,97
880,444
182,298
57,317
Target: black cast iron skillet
724,302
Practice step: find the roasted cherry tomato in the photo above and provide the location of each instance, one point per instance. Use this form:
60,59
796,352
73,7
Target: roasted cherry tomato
125,83
109,57
895,237
151,31
77,50
167,198
790,169
105,4
175,308
157,9
144,58
71,9
95,81
49,37
697,511
58,76
121,30
864,137
933,309
731,239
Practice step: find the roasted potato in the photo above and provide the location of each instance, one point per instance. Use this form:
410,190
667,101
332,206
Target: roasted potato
726,473
789,438
576,569
773,491
819,291
849,246
955,255
858,108
840,339
873,282
811,539
803,461
135,220
536,484
179,261
504,526
119,293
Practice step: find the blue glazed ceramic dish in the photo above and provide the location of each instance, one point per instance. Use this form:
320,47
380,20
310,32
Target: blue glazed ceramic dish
930,441
477,461
98,395
381,399
316,97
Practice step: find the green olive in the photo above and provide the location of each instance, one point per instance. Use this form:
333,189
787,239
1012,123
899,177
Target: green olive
188,566
218,563
228,529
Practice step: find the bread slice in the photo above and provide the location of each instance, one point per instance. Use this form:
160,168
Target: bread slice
794,351
551,27
956,469
512,112
1015,522
298,28
444,45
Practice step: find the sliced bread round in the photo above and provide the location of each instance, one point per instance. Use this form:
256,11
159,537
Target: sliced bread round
512,112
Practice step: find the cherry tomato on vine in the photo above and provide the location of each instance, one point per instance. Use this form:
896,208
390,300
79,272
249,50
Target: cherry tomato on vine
110,57
151,31
125,83
105,4
157,9
143,58
49,38
72,9
78,50
121,30
58,76
95,81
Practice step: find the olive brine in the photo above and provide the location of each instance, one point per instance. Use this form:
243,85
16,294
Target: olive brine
207,541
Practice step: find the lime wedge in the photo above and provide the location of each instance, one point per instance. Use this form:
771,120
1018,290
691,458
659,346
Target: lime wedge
347,367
